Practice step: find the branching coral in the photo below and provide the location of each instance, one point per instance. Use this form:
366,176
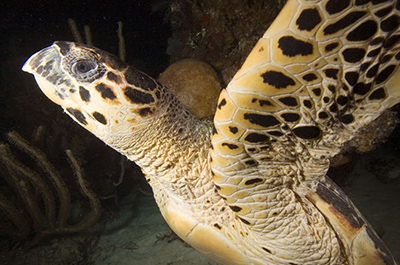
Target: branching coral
41,203
88,36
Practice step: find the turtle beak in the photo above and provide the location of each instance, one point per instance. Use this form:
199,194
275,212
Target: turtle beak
45,65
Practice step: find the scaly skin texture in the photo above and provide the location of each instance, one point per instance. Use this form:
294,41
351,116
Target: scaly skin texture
261,195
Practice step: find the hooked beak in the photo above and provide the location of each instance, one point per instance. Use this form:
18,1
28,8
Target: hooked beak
45,65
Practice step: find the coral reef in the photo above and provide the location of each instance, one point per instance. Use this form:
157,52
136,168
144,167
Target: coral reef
195,84
35,198
88,36
374,133
368,138
220,32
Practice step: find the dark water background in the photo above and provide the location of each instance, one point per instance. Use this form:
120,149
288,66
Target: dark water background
28,26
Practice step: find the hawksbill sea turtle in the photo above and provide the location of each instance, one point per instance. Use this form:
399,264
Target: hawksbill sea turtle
251,186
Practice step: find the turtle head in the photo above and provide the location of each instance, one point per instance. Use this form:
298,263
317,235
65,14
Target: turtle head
95,88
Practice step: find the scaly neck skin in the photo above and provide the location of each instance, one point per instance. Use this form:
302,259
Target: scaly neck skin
172,149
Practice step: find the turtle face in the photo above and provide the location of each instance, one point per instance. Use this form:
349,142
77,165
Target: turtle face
95,88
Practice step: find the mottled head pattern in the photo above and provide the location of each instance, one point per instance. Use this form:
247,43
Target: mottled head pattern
97,89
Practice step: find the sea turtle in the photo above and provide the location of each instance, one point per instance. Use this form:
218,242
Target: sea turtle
251,186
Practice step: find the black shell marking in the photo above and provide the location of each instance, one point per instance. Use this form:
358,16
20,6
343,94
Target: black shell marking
262,120
307,132
310,77
230,146
361,89
390,24
308,19
233,129
363,32
377,94
291,46
289,101
335,6
256,138
307,103
343,23
277,79
290,117
253,181
385,74
222,103
353,55
330,47
347,118
351,78
331,73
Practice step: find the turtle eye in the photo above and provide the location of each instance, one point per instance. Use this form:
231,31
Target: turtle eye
83,66
86,70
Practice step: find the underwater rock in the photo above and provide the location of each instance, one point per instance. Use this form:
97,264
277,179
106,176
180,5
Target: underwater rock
195,84
222,32
374,134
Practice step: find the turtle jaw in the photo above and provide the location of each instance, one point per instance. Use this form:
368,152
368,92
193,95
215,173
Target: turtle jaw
45,66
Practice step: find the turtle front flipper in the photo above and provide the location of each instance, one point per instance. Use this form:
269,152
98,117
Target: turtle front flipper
352,228
321,72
